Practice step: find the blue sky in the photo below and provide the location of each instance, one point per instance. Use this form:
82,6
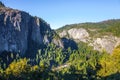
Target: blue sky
61,12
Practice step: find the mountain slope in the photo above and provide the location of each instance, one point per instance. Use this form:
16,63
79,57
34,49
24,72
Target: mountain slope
103,35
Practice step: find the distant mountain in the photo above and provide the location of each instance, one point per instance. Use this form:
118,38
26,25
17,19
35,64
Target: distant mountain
103,35
21,32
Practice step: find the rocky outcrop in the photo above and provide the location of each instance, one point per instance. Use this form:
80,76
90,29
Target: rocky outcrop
19,31
76,34
100,43
107,43
64,33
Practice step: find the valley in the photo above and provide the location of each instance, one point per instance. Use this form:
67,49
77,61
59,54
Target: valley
31,50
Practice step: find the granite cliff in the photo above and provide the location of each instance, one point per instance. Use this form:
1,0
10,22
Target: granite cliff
19,31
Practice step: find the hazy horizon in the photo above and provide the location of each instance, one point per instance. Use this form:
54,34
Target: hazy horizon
63,12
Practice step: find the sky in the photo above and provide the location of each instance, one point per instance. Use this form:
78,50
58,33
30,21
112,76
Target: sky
62,12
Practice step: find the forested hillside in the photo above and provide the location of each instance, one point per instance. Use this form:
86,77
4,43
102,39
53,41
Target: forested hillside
54,63
105,27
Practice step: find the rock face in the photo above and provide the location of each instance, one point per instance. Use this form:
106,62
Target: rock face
100,43
76,34
19,31
107,43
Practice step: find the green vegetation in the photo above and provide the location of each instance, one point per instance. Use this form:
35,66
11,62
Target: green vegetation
97,29
50,62
53,63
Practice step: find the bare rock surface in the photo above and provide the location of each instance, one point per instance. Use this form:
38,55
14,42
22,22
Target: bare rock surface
19,31
100,43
